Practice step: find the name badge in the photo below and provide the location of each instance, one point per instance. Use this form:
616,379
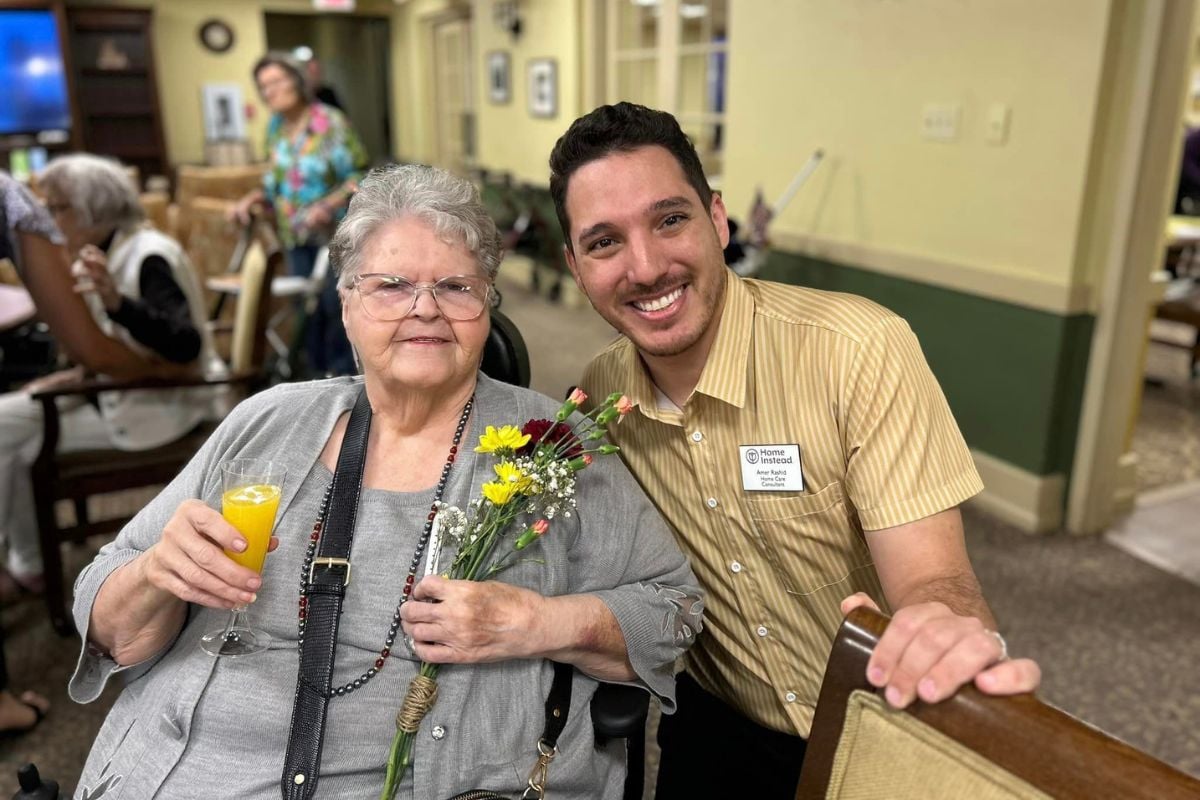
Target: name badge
771,468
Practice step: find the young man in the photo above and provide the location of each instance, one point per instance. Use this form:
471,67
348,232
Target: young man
798,445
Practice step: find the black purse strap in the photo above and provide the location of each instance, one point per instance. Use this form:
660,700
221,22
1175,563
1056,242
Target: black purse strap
558,705
327,577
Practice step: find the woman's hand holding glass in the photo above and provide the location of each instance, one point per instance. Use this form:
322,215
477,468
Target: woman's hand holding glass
250,493
189,560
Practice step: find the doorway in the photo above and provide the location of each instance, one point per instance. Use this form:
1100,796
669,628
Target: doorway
453,100
1150,56
355,57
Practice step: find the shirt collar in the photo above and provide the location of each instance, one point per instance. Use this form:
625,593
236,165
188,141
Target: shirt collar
724,375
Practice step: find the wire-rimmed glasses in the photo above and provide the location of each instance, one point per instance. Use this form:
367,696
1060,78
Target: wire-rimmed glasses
388,298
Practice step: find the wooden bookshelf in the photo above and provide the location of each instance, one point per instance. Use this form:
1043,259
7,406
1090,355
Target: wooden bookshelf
115,86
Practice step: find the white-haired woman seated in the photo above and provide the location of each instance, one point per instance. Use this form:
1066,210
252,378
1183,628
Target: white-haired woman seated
612,595
141,291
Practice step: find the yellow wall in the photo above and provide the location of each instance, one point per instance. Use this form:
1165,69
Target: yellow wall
184,65
852,77
509,138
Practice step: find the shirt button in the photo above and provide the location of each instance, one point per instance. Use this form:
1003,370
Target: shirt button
790,697
172,726
735,567
438,732
697,436
712,502
762,630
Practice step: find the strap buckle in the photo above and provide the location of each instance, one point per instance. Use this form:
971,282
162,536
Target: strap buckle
330,562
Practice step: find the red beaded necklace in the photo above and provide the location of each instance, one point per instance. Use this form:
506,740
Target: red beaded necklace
394,628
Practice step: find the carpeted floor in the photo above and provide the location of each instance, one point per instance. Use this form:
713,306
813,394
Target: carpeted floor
1118,640
1167,436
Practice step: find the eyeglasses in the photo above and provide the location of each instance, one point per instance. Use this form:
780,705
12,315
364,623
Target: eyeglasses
390,297
274,83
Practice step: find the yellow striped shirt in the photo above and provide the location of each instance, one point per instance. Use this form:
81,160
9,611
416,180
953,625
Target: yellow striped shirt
845,380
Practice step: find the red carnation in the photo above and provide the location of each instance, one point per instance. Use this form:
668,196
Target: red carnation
559,432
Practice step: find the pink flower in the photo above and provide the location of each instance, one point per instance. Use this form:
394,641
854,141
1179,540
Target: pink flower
578,396
587,460
623,405
540,527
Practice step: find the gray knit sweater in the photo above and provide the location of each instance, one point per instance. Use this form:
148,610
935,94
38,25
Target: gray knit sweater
188,725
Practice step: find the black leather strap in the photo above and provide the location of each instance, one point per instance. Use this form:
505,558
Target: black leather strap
326,589
558,703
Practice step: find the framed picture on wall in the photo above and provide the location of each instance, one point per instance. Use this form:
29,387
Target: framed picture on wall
543,87
224,118
499,76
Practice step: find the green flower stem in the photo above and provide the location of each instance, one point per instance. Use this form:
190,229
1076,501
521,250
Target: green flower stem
469,562
400,757
497,519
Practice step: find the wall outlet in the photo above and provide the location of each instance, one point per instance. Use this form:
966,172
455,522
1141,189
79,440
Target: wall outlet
939,121
998,119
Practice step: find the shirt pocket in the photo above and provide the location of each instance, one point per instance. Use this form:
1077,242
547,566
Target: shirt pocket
809,539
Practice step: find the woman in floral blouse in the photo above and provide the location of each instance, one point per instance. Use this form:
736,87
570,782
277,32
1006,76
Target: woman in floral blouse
316,161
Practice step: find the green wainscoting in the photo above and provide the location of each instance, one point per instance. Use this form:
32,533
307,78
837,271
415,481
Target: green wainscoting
1013,375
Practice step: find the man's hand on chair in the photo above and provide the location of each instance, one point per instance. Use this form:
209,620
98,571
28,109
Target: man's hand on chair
929,652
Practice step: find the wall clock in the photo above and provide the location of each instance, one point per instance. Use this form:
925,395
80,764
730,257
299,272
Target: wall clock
216,35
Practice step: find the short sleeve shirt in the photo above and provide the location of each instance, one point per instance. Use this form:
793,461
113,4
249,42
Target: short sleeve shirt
844,380
20,212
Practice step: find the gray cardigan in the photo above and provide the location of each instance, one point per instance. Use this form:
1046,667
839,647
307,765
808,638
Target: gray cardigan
188,725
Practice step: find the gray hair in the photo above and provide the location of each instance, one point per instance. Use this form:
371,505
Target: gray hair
99,190
448,204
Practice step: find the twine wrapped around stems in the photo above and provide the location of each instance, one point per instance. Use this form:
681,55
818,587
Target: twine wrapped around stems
420,697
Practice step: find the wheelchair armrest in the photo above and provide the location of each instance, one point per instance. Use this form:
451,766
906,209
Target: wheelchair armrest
619,711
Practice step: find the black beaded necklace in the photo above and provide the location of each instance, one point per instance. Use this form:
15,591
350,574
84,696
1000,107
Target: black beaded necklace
394,628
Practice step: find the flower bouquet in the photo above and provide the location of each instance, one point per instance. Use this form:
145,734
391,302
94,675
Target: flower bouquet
536,470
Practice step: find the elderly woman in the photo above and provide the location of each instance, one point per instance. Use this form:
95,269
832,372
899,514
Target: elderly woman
612,595
141,293
316,161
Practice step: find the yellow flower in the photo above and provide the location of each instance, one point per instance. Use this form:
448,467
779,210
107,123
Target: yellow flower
510,474
499,492
507,439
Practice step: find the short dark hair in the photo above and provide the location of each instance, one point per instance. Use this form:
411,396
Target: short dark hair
620,128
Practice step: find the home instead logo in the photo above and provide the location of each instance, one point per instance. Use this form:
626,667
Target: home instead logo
771,455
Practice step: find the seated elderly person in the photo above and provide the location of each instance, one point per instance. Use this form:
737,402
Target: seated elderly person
607,590
141,293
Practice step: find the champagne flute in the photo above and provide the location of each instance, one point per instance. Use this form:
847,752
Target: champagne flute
250,492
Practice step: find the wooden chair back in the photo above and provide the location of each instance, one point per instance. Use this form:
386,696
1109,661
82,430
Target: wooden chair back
971,745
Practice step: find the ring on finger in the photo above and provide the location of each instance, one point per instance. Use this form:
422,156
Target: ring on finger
1003,646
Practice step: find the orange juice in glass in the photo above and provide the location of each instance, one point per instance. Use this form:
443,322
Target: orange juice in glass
250,493
251,509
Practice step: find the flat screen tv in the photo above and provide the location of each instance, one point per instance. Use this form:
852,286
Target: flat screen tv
32,74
